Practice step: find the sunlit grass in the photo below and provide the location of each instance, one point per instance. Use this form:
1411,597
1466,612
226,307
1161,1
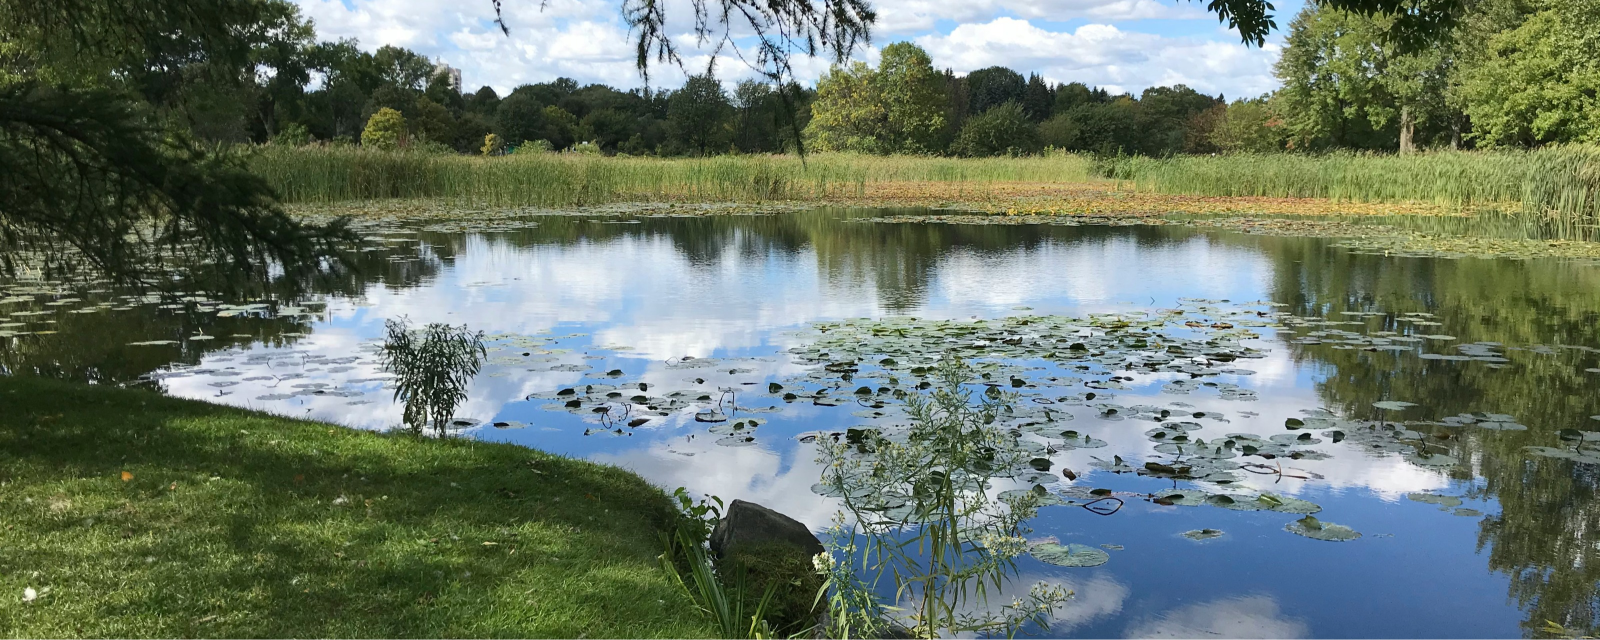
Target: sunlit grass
1557,186
335,174
1560,185
131,514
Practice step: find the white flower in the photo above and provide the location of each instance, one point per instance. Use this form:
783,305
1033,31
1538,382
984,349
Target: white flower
29,595
823,562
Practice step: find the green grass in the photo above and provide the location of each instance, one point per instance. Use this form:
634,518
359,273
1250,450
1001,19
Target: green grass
1560,185
335,174
240,524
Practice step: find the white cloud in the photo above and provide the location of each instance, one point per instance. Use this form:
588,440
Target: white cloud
1241,617
910,16
1108,56
587,40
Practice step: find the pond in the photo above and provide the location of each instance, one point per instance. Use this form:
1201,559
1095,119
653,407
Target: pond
1446,410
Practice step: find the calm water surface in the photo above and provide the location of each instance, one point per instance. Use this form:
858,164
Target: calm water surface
572,299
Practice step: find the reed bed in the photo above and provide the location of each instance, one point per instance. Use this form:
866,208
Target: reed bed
1557,188
334,174
1558,185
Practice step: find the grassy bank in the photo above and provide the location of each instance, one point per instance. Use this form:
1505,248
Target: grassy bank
131,514
333,174
1558,184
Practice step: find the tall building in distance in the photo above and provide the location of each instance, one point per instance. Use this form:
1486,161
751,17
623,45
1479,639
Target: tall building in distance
450,72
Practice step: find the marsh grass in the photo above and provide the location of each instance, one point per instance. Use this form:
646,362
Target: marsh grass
1559,185
336,174
230,523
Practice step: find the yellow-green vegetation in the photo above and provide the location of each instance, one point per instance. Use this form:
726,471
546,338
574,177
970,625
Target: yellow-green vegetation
334,174
125,513
1559,183
384,130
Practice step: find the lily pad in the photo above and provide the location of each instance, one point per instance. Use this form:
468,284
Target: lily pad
1286,504
1070,555
1315,529
1394,405
1202,534
1444,502
1432,460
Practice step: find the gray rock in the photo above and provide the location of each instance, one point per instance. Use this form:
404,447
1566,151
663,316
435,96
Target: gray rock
747,524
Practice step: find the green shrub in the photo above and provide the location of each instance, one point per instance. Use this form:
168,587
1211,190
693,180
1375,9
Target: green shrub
292,134
1003,130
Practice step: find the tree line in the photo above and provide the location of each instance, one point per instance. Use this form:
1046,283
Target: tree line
1506,73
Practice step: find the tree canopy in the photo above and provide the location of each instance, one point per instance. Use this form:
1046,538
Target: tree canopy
99,102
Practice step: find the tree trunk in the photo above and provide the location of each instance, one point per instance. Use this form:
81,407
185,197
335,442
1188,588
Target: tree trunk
1455,133
1407,125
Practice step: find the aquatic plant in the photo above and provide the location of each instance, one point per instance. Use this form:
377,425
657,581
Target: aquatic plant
722,596
433,367
919,498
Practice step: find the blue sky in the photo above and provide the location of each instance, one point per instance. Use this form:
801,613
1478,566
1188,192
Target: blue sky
1123,45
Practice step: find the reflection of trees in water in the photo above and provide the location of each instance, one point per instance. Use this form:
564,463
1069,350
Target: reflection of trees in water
95,347
1547,536
898,261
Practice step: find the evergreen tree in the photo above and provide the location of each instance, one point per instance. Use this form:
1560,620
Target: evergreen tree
993,86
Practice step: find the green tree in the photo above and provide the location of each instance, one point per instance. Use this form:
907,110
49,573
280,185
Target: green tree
483,102
849,113
1069,96
1331,92
386,130
469,132
519,116
1164,117
1538,82
698,114
1038,100
913,100
1107,127
755,126
561,128
1248,126
1059,132
97,174
433,122
402,68
1002,130
991,87
1345,86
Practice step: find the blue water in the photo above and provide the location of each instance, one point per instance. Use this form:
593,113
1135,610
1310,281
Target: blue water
635,297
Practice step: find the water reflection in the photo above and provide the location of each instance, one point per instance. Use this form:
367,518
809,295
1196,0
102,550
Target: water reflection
584,298
1256,616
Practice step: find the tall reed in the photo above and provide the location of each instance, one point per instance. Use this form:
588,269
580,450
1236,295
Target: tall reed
332,174
1560,184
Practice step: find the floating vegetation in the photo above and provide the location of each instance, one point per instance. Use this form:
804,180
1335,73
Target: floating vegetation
1445,503
1202,534
1315,529
1069,555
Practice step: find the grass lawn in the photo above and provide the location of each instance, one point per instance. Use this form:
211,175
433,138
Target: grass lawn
132,514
